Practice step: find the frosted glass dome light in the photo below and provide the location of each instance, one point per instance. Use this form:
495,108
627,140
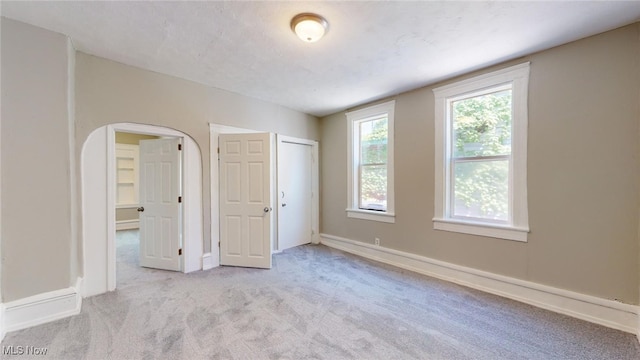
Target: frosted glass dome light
309,27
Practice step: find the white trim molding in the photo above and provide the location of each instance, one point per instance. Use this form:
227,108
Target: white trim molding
207,261
98,210
214,131
516,227
42,308
597,310
315,185
386,217
354,118
482,229
2,327
127,224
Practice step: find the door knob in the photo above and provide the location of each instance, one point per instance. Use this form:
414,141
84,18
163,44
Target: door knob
267,209
141,209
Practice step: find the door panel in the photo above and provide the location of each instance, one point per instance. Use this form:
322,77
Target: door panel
160,225
295,191
245,200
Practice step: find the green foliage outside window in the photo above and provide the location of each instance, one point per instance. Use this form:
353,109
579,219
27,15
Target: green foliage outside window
482,127
373,164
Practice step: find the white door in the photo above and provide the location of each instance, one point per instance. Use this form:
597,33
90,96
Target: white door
245,200
160,210
294,194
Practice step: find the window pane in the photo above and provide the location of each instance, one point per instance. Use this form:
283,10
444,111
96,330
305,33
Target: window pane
373,141
373,187
481,189
482,125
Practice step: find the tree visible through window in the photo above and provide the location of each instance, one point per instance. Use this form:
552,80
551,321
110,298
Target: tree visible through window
481,154
373,164
370,159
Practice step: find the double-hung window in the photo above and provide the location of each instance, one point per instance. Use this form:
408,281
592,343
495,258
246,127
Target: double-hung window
370,185
481,155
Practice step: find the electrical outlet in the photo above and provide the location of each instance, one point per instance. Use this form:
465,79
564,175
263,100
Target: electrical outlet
377,241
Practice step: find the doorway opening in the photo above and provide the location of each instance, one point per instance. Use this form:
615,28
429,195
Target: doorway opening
148,189
310,147
98,176
127,186
297,192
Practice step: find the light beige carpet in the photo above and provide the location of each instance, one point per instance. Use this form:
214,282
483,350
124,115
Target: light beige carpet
316,303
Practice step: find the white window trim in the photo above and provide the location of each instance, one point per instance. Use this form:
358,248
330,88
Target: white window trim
353,211
518,229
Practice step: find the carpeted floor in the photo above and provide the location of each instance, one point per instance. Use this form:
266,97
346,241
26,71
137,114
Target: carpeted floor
316,303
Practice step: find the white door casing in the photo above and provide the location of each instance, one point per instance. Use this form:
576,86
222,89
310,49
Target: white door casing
295,193
98,210
245,200
212,259
282,140
160,218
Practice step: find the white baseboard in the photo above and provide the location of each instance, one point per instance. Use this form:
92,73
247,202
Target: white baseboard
207,261
127,224
590,308
2,332
42,308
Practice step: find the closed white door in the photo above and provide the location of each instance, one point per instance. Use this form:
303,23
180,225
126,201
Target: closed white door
294,194
160,210
245,200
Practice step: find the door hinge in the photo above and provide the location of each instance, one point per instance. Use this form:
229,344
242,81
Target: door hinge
179,147
179,199
179,252
218,150
218,243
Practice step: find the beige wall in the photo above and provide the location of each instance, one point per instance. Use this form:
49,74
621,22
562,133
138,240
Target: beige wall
36,182
583,161
38,153
583,175
108,92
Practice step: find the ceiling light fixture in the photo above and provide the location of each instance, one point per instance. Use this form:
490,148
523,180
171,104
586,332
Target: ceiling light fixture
309,27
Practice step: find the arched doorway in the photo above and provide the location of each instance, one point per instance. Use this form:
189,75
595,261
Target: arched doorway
98,204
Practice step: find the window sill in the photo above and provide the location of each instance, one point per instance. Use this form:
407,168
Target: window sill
481,229
371,215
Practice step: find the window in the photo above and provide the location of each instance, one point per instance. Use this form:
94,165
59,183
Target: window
370,137
481,159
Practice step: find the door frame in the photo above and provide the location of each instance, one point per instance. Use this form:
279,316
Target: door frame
212,259
315,186
98,209
250,210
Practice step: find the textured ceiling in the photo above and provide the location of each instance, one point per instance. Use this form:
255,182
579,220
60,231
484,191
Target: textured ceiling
372,49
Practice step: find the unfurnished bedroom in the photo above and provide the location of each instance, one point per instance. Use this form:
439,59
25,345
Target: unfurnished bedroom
320,179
